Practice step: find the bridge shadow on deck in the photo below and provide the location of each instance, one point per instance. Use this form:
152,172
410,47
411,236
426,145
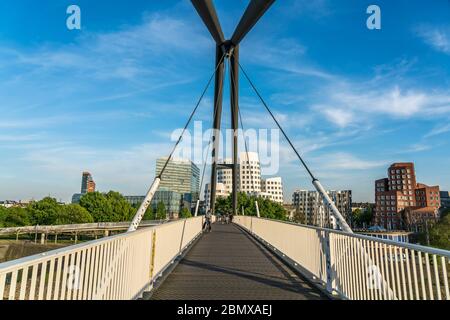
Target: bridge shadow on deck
228,264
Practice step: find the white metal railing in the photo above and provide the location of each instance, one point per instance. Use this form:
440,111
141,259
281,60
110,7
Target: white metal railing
115,268
357,267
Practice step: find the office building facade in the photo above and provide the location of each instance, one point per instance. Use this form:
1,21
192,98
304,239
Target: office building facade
399,197
181,176
316,213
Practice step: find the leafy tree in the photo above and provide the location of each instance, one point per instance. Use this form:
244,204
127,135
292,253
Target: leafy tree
73,214
3,213
16,217
362,217
439,234
109,207
98,206
161,212
44,212
185,213
267,208
122,210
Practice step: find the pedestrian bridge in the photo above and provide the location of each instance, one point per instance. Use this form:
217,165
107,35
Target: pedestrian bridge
252,259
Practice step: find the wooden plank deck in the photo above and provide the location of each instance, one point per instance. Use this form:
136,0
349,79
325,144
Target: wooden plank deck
228,264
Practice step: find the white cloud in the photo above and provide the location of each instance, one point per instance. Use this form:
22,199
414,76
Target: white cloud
438,38
438,130
346,161
340,117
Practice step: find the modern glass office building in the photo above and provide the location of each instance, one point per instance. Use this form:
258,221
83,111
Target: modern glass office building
181,176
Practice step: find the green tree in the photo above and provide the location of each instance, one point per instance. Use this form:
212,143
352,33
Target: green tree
109,207
161,212
44,212
3,213
73,214
121,208
98,206
439,234
185,213
267,208
16,217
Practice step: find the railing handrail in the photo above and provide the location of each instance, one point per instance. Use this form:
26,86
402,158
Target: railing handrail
13,264
74,227
410,246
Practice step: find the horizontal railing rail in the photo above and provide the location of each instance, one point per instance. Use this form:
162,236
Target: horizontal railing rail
86,227
358,267
113,268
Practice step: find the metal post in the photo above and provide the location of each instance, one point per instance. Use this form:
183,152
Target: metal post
196,208
334,210
234,84
143,208
218,96
257,209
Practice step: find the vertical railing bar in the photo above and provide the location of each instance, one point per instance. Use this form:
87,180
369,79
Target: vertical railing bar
80,286
13,285
42,277
422,277
438,280
87,274
59,267
67,260
416,281
387,288
444,272
34,272
429,277
402,269
392,272
109,270
119,269
99,272
358,269
408,272
2,285
94,262
364,260
374,259
24,283
50,280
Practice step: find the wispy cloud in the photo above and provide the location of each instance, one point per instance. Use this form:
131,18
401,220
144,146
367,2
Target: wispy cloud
437,37
441,129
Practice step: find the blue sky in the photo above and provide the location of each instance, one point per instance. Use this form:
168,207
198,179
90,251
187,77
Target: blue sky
107,98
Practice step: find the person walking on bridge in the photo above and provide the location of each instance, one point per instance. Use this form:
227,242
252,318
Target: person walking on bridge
207,224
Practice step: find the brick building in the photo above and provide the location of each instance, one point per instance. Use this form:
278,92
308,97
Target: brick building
400,195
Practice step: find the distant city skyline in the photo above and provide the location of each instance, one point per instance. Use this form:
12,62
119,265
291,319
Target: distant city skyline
107,98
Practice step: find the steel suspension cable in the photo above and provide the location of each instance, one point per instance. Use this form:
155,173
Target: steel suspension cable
277,123
191,117
337,214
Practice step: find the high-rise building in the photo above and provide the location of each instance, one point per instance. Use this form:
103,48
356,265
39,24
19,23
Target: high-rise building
400,191
181,176
87,183
316,212
87,186
249,179
272,188
221,192
249,173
